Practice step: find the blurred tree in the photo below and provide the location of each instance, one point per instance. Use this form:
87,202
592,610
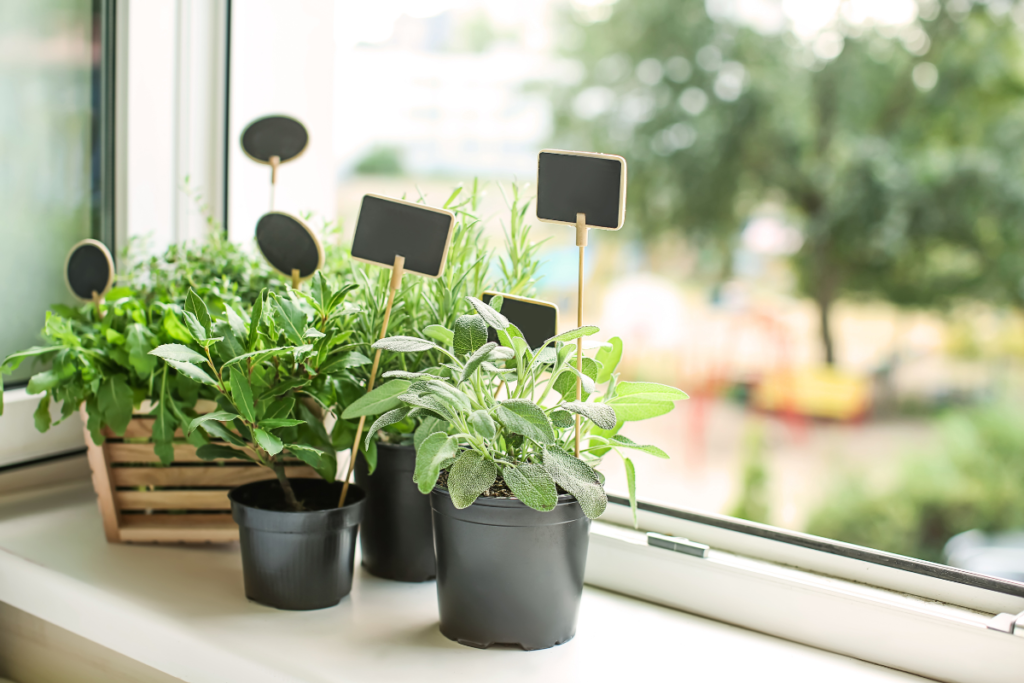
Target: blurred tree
896,147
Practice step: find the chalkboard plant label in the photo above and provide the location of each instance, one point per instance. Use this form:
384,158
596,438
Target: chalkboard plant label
289,245
274,139
536,319
89,270
394,227
573,183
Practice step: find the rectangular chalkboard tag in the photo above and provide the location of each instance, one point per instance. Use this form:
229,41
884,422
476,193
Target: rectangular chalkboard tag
536,319
570,183
393,227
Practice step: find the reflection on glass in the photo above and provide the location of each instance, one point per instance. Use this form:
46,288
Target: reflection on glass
49,178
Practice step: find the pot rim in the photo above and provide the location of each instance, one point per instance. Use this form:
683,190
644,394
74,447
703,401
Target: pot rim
563,499
298,522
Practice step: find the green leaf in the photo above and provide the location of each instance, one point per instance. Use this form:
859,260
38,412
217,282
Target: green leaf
565,383
279,422
482,423
402,374
42,414
267,441
139,347
115,402
635,408
438,397
561,419
163,432
313,333
531,484
609,357
192,372
526,418
12,361
197,307
427,427
650,391
214,451
290,318
319,293
474,362
496,302
600,414
440,333
278,409
284,387
380,400
218,431
435,449
569,335
370,456
195,328
353,359
43,381
218,415
236,323
324,463
490,316
579,479
178,352
403,344
388,418
241,396
631,484
256,319
260,355
625,442
94,420
469,476
470,334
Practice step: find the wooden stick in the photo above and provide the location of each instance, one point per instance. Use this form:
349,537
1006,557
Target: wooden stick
581,242
396,282
96,301
295,278
274,162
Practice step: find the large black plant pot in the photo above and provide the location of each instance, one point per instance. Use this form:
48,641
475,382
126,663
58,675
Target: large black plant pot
507,574
297,560
396,536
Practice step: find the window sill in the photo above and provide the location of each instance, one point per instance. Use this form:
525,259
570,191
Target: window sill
180,610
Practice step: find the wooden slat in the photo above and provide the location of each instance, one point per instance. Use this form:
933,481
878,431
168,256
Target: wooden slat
143,452
210,499
226,476
163,520
163,528
139,428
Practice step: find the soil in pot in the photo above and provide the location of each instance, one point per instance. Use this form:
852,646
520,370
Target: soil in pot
396,536
297,560
508,574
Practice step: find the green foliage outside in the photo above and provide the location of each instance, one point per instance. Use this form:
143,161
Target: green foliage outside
973,481
754,502
898,152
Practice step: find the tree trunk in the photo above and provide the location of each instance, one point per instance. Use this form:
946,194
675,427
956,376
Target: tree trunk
289,494
824,308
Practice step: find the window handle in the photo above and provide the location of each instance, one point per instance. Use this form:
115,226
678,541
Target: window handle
676,544
1008,623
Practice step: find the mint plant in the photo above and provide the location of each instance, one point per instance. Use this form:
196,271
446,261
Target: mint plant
524,442
274,371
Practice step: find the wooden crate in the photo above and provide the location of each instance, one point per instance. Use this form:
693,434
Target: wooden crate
142,501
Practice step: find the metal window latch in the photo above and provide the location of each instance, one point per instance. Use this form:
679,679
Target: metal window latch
676,544
1008,623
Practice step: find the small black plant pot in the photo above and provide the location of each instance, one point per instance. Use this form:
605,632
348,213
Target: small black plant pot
297,560
507,574
396,537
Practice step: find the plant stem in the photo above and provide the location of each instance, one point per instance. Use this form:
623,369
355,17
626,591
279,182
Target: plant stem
286,486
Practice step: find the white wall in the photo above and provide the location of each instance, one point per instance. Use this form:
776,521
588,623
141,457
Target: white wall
282,62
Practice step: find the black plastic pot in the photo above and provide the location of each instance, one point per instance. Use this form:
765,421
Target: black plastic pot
507,574
396,536
297,560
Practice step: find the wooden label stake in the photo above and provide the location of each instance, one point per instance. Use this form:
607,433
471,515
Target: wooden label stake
581,242
275,161
396,281
97,301
296,280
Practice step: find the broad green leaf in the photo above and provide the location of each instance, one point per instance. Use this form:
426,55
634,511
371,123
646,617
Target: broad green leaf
325,464
635,408
41,416
218,415
579,479
163,432
403,344
531,484
284,387
313,333
496,302
569,335
427,427
524,417
94,420
561,419
470,334
402,374
435,449
178,352
115,402
469,476
319,293
490,316
137,342
631,485
197,307
380,400
650,391
478,357
482,423
260,355
440,333
353,359
625,442
241,396
195,328
218,431
43,381
12,361
290,318
438,397
215,451
267,441
279,408
236,324
609,357
388,418
257,319
565,383
279,422
600,414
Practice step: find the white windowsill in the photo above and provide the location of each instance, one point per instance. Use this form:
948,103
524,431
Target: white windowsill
181,610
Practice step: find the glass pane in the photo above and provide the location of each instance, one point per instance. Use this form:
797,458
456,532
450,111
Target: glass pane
823,239
49,178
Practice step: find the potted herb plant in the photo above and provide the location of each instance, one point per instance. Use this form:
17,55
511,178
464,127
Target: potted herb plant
511,503
396,536
274,376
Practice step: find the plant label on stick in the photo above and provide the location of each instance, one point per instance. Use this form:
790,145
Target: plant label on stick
273,140
587,190
89,272
289,245
405,237
536,319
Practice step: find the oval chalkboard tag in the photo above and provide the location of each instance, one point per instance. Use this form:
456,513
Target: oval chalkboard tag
274,136
89,270
571,183
393,227
536,319
289,245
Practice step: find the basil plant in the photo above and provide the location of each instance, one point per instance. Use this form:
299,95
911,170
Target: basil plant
526,441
